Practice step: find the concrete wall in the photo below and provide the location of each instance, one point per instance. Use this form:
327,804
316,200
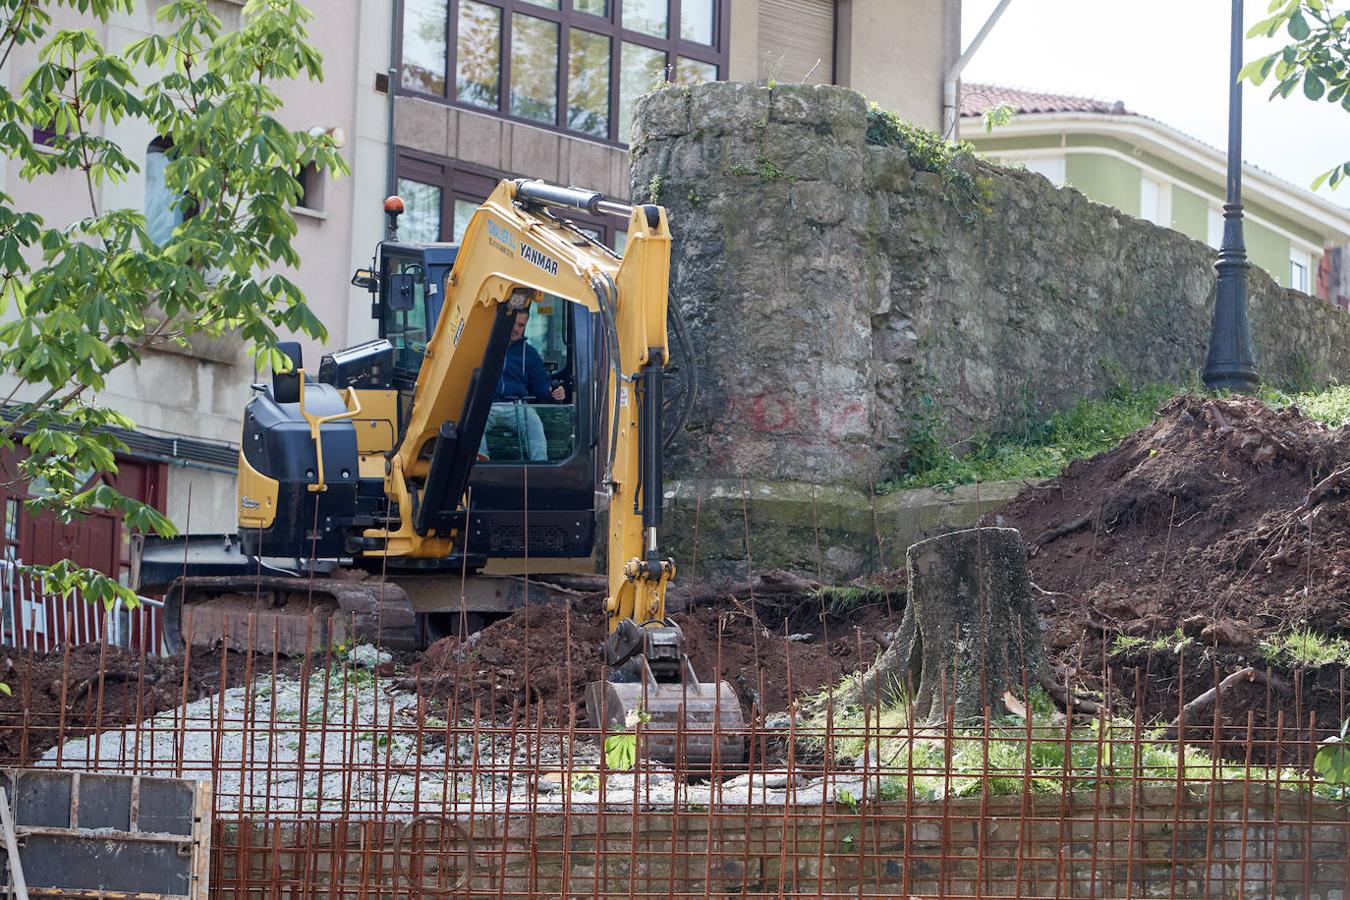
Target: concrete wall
834,290
1107,180
509,147
1211,840
897,53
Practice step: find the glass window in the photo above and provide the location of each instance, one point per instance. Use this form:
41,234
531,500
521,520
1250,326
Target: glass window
646,16
464,210
620,240
547,4
691,71
534,68
641,69
696,20
592,7
11,519
588,83
406,329
311,187
531,429
424,24
1300,270
478,54
162,211
421,219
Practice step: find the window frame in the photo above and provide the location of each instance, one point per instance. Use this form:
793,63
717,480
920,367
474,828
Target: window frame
1302,260
465,181
567,18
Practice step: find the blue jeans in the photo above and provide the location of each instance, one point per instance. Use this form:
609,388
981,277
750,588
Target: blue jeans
521,418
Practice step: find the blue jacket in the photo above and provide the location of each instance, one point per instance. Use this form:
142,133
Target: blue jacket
524,375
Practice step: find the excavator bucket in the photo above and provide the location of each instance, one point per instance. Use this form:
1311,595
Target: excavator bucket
691,723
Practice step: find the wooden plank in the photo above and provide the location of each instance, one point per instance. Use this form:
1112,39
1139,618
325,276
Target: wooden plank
12,847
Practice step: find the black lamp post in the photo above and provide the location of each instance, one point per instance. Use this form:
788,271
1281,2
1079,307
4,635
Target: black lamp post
1232,364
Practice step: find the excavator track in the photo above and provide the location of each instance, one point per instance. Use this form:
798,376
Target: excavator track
289,615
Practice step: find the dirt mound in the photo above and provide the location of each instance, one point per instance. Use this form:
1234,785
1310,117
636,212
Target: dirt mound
101,688
1224,524
546,655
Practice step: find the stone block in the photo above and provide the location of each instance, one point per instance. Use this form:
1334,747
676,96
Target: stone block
820,203
589,165
422,125
727,107
534,152
480,139
661,114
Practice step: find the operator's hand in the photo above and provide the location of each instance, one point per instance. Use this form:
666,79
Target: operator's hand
558,393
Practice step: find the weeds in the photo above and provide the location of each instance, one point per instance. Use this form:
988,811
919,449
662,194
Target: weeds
841,599
929,766
1330,406
1038,450
928,151
1305,647
1174,642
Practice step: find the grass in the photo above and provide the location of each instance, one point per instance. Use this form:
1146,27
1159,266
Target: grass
1305,647
840,599
1043,449
1330,406
1039,450
1080,756
1175,642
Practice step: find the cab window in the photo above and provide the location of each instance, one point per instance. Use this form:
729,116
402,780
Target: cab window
531,430
406,329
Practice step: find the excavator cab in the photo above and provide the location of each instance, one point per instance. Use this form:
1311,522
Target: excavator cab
538,452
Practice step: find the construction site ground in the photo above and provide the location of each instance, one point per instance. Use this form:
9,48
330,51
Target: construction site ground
1212,540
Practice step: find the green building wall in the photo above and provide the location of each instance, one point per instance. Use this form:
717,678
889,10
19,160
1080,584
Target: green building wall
1105,179
1190,214
1109,179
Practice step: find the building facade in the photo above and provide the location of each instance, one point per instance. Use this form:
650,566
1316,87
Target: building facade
485,88
187,402
437,101
1150,170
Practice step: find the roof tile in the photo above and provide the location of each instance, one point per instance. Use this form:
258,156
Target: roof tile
976,98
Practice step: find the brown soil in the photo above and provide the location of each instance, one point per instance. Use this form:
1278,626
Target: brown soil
546,656
31,719
1202,522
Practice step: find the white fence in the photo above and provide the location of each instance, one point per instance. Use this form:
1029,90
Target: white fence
33,619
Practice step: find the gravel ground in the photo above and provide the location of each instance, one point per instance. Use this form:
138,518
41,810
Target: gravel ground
358,754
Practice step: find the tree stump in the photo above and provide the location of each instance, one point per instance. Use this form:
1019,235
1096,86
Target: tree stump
970,629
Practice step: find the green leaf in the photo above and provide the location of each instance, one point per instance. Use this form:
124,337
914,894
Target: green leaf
1333,762
5,689
1257,70
1313,88
621,751
1298,26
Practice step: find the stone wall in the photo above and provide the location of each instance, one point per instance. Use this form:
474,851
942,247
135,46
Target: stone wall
830,288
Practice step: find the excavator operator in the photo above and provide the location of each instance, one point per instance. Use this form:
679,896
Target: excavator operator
524,380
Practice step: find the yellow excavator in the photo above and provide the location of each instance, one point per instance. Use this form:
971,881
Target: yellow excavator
377,480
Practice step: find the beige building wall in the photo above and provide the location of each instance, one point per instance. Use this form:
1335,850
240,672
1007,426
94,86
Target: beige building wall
897,53
200,394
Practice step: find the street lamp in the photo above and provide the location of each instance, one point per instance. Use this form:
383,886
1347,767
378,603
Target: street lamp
1232,364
